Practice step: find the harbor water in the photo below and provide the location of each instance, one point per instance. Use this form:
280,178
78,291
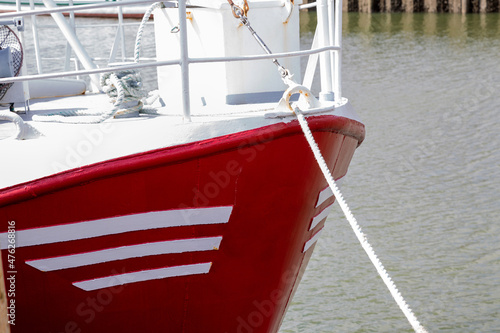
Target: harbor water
425,184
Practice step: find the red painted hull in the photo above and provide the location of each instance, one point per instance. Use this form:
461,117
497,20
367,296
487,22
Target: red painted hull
266,180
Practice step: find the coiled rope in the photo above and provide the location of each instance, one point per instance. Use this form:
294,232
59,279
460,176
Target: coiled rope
356,228
124,89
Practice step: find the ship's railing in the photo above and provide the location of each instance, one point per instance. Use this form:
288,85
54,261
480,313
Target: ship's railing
327,46
75,8
119,40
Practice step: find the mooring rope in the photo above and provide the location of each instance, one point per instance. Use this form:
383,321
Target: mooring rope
356,228
287,78
140,30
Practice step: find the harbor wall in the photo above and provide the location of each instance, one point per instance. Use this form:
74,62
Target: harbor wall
426,6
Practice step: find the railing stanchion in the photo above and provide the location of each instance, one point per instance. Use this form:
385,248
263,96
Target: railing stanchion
34,30
184,61
337,41
68,46
121,31
324,58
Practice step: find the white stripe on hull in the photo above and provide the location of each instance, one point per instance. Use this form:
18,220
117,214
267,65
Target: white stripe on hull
321,216
327,192
126,252
324,195
146,275
311,241
119,224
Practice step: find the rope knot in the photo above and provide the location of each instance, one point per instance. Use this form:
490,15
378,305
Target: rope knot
125,90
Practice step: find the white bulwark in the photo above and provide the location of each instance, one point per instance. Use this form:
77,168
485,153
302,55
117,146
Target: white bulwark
213,31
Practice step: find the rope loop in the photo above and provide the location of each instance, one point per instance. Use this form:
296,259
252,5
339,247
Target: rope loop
305,94
23,130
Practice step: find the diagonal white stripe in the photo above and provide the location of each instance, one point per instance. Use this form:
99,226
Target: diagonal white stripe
152,274
312,240
324,195
126,252
321,216
327,192
119,224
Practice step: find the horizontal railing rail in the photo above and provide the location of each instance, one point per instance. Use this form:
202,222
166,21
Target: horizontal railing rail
79,8
169,63
89,26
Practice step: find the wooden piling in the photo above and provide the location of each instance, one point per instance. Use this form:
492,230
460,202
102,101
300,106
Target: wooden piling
455,6
407,6
365,6
482,6
414,6
430,6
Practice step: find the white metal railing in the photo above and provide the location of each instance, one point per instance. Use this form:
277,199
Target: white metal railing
329,30
119,43
170,62
184,61
336,16
66,9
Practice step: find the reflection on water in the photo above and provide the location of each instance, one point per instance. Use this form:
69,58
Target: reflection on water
438,25
425,184
429,24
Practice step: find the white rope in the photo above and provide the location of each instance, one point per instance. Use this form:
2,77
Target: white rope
357,229
145,19
23,130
